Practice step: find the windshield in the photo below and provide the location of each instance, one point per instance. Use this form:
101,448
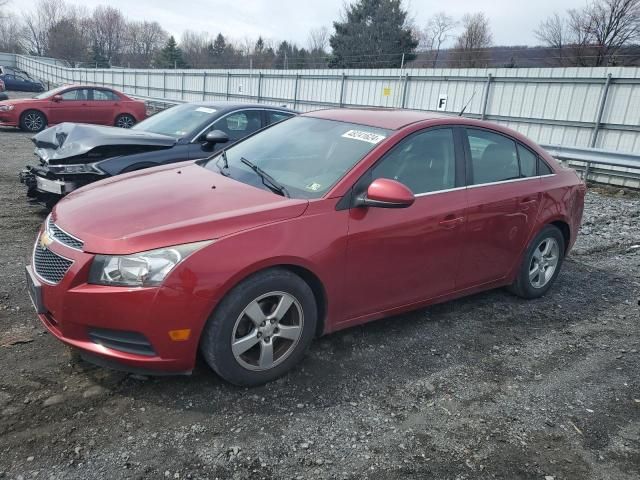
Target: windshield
178,121
50,93
305,155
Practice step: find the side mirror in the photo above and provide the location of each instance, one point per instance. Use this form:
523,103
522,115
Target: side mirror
386,193
57,98
216,136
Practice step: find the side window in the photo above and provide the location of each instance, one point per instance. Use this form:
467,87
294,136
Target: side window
543,168
528,162
275,117
239,124
424,162
104,96
76,94
493,157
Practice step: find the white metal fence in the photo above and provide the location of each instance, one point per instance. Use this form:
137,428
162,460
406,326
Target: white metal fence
581,107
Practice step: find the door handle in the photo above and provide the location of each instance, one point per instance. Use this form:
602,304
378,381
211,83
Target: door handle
451,221
525,202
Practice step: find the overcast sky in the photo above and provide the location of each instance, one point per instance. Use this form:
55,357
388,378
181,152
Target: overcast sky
512,21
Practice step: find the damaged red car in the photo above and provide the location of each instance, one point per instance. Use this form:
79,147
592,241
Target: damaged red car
318,223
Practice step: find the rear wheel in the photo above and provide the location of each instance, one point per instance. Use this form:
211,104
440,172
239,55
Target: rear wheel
33,121
125,121
261,329
541,265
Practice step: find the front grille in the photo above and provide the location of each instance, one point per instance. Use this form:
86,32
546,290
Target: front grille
128,342
63,237
48,265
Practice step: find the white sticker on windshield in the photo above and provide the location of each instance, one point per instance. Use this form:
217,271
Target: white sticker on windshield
206,110
314,187
364,136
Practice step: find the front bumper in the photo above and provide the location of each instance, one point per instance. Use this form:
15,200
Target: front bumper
73,311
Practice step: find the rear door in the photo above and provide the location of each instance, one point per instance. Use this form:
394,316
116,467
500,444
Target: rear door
503,196
102,106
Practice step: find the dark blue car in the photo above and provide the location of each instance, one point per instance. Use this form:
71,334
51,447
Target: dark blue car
73,155
20,81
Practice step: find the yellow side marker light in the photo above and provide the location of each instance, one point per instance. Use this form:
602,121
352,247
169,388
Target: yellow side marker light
180,335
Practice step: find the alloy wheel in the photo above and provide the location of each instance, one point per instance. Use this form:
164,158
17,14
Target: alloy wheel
267,331
125,121
544,262
33,121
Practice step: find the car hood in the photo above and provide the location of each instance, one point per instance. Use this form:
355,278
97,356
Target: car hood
164,206
69,140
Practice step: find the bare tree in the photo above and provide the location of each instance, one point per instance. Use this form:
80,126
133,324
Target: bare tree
438,31
38,23
109,28
194,48
318,40
471,48
142,41
612,25
554,33
11,34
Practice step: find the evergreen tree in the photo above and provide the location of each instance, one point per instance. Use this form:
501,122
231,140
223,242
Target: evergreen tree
170,56
373,33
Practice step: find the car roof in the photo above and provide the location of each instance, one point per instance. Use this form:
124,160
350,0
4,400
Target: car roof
390,119
224,106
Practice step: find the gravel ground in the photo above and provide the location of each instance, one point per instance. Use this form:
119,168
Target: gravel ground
485,387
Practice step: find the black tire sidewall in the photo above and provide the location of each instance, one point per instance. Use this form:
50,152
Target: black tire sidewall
215,342
23,116
524,283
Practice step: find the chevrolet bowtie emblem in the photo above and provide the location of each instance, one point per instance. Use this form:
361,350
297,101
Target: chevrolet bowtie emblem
45,240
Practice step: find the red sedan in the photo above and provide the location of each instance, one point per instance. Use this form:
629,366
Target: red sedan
318,223
75,103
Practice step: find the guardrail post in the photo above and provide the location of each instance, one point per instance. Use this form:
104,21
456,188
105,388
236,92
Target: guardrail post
485,100
295,91
603,102
404,90
259,86
587,167
228,83
344,78
204,86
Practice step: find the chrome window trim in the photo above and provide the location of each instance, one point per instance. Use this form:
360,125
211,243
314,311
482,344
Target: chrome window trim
33,262
193,140
483,185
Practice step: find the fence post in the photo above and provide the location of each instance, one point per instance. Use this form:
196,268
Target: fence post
598,122
344,77
295,91
404,90
485,100
259,86
135,82
228,83
164,84
204,86
182,85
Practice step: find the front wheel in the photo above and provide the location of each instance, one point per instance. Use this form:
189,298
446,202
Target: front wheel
541,264
125,121
261,329
33,121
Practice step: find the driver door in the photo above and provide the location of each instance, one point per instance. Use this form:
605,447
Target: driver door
397,257
72,108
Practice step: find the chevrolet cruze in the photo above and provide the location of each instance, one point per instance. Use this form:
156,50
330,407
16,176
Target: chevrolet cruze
318,223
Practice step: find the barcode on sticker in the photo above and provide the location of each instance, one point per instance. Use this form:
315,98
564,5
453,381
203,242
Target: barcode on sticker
364,136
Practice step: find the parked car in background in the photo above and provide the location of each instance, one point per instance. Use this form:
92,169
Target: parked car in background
321,222
21,82
74,155
3,95
72,103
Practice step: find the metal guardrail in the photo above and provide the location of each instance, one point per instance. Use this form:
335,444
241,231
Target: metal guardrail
600,166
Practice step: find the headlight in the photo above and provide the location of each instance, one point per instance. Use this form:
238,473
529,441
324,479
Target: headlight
76,168
6,108
145,269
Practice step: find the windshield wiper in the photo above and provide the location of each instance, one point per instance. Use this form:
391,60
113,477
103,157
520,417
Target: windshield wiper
274,186
223,156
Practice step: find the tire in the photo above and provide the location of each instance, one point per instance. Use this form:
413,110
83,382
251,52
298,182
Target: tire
248,363
33,121
125,121
532,280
